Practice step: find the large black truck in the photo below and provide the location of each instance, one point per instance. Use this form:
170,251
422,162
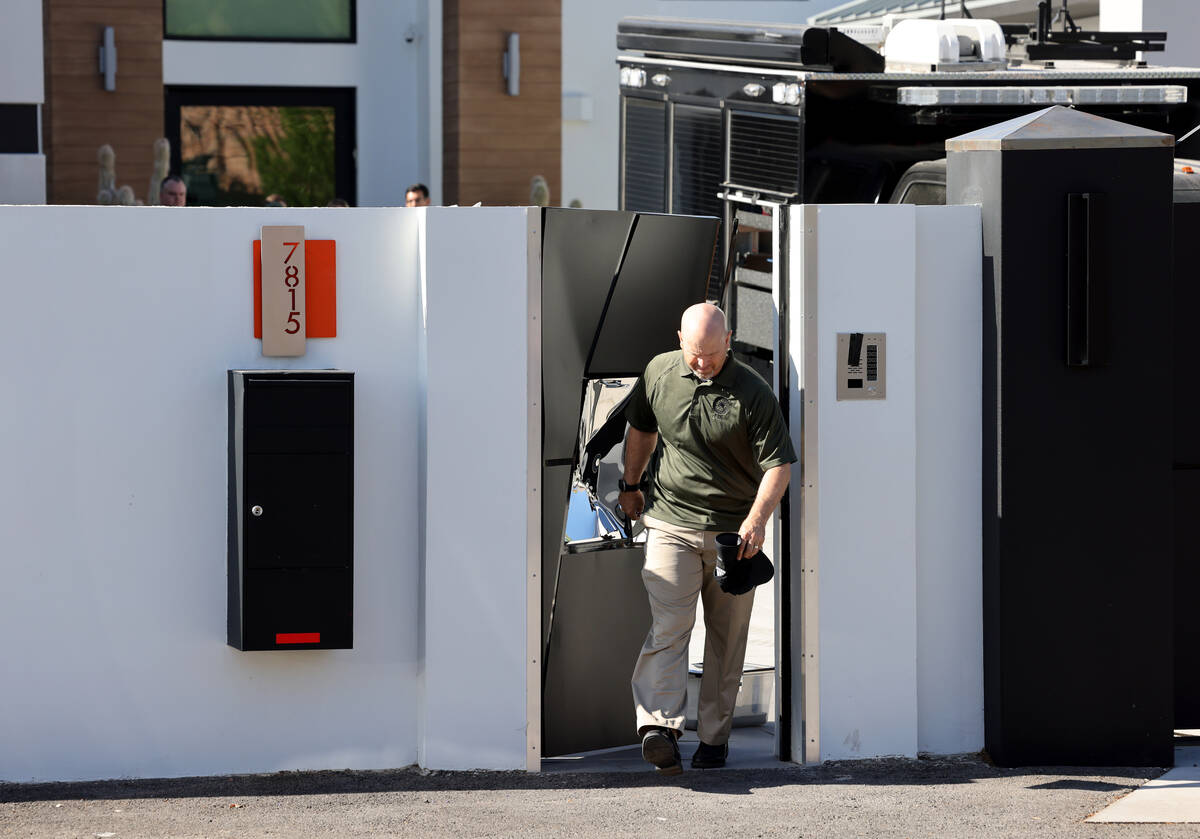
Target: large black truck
738,120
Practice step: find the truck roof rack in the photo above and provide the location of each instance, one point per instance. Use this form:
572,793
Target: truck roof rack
1074,43
790,45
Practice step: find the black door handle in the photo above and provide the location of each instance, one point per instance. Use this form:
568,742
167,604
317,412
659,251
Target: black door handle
1085,286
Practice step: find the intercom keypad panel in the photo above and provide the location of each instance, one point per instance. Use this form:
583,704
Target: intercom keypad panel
861,365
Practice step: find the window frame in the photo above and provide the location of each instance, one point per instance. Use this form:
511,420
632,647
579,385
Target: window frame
342,99
352,39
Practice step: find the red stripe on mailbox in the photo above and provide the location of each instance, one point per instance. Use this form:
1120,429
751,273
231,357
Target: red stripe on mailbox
297,637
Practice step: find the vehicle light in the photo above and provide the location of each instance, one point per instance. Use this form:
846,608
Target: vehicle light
661,79
754,89
633,77
1057,95
785,94
625,76
1187,170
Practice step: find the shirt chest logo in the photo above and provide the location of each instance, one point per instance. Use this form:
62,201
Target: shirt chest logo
721,407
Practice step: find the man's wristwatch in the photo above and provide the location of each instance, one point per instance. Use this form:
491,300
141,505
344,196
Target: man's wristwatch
624,487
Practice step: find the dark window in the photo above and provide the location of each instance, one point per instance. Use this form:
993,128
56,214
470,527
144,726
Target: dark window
236,146
841,180
645,149
923,193
19,129
260,20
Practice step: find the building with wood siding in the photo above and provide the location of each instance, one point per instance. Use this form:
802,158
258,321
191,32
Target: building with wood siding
389,84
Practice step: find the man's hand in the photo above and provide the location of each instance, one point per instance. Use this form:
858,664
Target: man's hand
770,490
632,502
753,532
639,445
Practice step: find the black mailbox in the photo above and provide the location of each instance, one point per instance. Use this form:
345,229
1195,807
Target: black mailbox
291,509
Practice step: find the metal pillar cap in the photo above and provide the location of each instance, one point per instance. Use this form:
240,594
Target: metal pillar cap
1057,127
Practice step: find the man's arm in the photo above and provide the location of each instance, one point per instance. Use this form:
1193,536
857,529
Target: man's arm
639,445
770,489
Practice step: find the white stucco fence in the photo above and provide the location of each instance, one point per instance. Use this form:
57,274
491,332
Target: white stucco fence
122,323
887,531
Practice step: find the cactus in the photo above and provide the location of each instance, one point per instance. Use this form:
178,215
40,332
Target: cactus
539,192
162,164
107,191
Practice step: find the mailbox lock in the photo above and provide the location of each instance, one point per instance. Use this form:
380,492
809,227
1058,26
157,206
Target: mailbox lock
256,510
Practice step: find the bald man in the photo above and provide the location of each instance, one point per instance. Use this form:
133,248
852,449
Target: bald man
726,461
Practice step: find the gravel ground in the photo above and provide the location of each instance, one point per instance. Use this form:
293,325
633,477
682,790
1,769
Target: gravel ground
883,798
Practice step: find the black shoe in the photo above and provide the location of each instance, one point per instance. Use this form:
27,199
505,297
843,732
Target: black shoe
660,748
710,757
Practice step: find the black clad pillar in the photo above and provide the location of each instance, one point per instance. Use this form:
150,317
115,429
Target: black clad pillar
1077,436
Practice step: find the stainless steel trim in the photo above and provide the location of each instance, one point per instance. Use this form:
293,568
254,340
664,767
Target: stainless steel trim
755,200
810,663
1030,74
533,499
1009,96
669,173
621,127
596,545
700,65
779,287
1009,143
239,454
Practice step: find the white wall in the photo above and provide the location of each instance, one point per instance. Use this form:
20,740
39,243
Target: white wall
888,522
21,53
1176,17
22,179
113,503
395,67
949,479
22,176
113,506
478,544
589,55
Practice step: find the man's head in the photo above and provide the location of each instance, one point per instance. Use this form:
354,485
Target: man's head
704,338
172,192
416,195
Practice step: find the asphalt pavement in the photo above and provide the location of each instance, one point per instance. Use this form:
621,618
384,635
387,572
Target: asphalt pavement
945,798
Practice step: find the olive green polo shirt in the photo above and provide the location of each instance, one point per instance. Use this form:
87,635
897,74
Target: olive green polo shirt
718,439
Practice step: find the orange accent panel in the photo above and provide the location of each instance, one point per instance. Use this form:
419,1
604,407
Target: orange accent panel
298,637
320,287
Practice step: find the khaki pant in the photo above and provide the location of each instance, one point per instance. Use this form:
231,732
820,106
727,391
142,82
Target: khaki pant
679,568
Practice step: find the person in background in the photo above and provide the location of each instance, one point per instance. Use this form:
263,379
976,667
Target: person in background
726,461
338,202
172,192
416,195
275,200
